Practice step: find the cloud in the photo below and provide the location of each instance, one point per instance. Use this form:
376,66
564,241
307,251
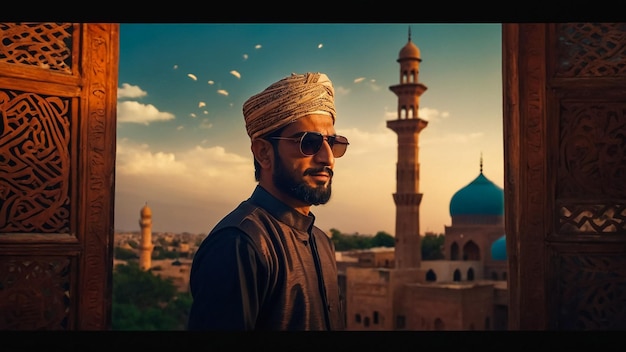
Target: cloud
133,159
205,124
432,115
371,83
193,115
130,91
198,185
180,128
235,73
135,112
222,92
341,90
192,76
429,114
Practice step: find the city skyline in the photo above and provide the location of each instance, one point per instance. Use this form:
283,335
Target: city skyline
181,141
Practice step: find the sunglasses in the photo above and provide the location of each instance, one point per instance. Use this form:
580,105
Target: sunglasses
311,143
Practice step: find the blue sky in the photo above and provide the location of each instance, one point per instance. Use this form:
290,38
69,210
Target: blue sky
181,140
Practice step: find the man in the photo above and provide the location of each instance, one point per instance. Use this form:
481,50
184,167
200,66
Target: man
266,266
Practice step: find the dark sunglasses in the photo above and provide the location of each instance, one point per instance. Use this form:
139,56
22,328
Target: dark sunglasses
311,142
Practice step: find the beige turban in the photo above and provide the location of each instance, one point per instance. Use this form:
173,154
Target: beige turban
287,100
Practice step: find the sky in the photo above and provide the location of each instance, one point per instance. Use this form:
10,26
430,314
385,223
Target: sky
182,146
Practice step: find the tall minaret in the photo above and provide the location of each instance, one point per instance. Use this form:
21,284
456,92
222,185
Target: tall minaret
145,248
408,126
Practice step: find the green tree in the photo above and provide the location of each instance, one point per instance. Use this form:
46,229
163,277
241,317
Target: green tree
432,246
144,301
124,253
383,239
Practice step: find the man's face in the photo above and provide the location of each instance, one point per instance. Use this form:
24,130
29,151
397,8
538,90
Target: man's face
306,179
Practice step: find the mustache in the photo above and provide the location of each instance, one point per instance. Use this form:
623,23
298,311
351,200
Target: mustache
318,170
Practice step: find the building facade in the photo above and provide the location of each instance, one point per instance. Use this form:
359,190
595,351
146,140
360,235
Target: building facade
465,291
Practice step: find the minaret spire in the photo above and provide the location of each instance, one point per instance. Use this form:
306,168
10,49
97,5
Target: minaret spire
481,162
408,126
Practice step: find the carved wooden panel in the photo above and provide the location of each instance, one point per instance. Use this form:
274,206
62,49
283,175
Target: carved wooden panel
35,162
591,289
58,84
591,49
45,45
589,83
35,293
565,194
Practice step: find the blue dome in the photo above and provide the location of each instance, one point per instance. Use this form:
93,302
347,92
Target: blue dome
479,197
498,249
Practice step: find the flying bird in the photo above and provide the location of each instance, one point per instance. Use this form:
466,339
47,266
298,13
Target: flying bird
235,73
222,92
192,76
201,104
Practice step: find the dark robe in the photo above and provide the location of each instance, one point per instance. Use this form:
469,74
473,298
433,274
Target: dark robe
265,266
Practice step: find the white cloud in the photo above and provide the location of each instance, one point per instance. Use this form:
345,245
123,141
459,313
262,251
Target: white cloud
235,73
193,187
192,76
432,115
222,92
135,112
359,79
130,91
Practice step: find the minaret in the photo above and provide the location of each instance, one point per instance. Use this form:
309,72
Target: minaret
145,248
407,126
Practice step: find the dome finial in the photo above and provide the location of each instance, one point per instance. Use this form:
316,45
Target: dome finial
409,33
481,162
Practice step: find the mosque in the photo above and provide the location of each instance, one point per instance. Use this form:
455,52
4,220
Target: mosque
393,288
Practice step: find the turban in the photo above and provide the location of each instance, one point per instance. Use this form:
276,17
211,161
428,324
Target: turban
287,100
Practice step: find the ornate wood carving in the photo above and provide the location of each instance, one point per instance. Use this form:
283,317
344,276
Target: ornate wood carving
35,163
591,49
58,84
592,291
35,293
588,120
45,45
99,174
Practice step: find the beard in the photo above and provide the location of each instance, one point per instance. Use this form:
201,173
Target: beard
287,182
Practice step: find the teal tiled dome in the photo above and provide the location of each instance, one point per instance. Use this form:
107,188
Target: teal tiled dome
498,249
479,197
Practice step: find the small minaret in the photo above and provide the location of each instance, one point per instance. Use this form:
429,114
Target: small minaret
407,126
145,248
